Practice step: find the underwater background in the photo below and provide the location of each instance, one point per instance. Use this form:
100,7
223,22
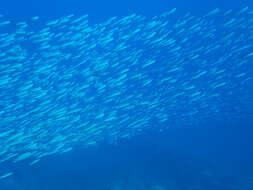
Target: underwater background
126,95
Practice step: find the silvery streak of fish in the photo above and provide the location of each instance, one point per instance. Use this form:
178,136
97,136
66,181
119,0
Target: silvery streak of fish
67,83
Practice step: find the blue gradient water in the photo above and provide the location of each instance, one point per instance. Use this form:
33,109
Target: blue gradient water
216,155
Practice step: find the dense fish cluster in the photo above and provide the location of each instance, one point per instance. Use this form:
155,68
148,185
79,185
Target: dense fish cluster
66,83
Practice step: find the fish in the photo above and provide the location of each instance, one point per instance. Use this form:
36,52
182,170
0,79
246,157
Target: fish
67,82
6,175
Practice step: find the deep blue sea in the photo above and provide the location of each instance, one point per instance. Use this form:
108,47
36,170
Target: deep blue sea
148,102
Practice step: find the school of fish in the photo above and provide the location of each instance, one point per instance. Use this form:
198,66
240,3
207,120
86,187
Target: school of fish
67,84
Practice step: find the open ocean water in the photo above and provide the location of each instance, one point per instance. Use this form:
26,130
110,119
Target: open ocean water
126,95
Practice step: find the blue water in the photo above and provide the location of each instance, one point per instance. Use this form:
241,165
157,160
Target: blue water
215,154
